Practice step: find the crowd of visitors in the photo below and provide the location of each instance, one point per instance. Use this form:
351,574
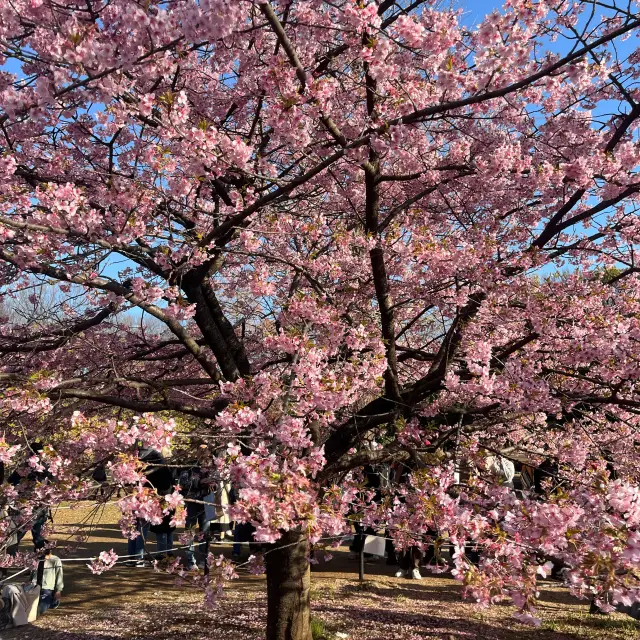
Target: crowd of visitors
207,520
207,500
535,480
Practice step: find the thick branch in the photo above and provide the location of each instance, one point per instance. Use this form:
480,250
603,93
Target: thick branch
55,339
211,332
103,284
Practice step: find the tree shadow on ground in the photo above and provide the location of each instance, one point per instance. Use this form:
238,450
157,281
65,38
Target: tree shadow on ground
393,624
152,612
128,603
426,625
95,533
605,622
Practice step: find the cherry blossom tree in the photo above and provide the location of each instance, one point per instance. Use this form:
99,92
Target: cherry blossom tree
366,233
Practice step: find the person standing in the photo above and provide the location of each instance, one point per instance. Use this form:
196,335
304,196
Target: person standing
136,545
11,535
164,536
49,576
41,514
410,559
217,512
502,469
546,475
409,563
100,476
195,489
373,481
160,478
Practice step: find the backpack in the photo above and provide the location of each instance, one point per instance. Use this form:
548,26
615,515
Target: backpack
99,474
190,482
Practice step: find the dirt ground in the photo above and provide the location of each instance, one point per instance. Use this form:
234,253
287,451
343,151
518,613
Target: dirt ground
141,604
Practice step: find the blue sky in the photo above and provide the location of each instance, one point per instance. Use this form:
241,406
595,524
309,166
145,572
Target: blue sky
473,13
475,10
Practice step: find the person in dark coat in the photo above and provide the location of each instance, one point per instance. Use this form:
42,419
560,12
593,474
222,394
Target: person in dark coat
242,531
99,475
160,477
40,515
195,486
164,536
412,557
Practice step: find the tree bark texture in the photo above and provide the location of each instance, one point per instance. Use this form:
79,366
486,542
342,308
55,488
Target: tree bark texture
288,582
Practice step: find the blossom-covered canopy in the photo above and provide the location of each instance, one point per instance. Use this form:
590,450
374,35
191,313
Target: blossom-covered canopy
303,237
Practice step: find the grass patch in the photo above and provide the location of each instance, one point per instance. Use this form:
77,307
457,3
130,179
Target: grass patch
319,630
591,627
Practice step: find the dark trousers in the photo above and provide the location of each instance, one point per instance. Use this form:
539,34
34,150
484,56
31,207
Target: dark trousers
46,601
196,516
430,553
243,532
472,553
410,559
390,549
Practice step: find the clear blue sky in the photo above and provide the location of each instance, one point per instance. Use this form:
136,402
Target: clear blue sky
475,10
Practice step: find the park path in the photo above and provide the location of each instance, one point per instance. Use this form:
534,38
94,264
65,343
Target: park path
141,604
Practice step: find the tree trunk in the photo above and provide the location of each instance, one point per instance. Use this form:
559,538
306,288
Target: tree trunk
288,581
